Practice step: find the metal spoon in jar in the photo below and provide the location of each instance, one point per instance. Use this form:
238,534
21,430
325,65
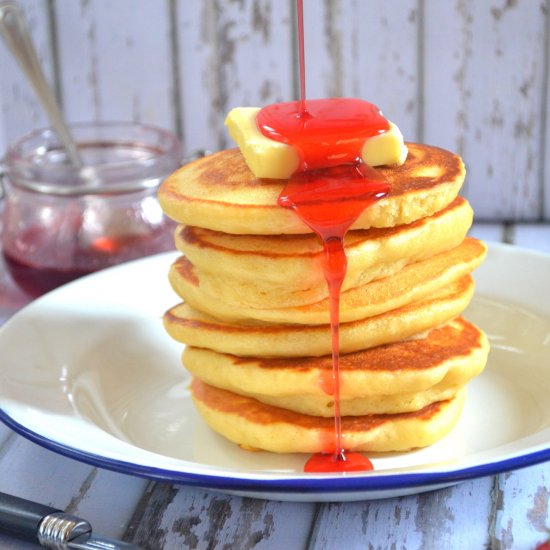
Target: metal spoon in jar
14,30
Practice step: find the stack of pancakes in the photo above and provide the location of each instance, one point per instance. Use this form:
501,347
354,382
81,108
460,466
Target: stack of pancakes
255,313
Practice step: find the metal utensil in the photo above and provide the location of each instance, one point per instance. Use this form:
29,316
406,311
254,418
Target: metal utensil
52,528
15,32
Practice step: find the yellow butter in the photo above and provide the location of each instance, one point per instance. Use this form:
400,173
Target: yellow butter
385,149
267,158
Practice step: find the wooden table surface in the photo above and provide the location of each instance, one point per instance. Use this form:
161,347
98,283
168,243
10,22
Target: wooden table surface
505,511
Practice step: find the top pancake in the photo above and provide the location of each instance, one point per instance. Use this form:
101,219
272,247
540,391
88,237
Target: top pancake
219,192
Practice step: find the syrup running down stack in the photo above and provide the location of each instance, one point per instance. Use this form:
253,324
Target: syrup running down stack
332,189
256,310
322,296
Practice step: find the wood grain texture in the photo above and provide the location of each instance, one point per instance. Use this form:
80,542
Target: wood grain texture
468,76
20,111
31,472
484,96
185,517
115,62
545,116
231,54
521,518
455,517
534,236
5,435
490,232
367,49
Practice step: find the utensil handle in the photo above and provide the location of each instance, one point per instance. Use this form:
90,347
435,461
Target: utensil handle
22,517
17,37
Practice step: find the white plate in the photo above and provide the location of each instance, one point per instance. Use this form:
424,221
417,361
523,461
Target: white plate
88,371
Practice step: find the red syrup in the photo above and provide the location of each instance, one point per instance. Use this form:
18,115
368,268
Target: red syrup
329,201
328,192
39,265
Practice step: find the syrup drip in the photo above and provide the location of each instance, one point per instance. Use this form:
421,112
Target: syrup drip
329,191
328,201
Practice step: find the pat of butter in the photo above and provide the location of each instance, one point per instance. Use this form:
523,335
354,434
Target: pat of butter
267,158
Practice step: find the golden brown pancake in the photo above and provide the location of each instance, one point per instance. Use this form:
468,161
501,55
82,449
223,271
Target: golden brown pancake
284,271
219,192
260,339
414,282
250,423
399,377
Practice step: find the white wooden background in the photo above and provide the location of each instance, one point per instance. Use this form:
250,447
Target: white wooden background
468,75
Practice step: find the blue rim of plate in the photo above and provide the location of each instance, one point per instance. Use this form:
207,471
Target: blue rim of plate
346,483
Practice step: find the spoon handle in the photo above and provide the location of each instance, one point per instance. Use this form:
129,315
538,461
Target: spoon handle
17,37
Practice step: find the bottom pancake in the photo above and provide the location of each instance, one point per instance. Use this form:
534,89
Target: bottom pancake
249,423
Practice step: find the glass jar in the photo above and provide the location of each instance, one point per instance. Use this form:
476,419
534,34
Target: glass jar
60,222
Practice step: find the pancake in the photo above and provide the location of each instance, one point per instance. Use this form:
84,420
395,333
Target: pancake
260,339
414,282
252,424
219,192
399,377
283,271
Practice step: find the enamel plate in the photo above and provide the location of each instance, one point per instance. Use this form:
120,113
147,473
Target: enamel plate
88,371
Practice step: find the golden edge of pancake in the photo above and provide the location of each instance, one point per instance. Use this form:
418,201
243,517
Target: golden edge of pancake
194,328
371,253
219,192
400,377
249,423
413,282
453,352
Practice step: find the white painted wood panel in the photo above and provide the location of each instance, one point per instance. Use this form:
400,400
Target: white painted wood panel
3,127
5,435
115,60
545,175
230,54
188,517
20,111
490,232
522,515
451,518
469,76
534,236
366,49
484,71
106,499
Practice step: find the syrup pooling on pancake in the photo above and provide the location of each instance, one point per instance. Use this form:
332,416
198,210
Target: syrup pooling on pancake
326,132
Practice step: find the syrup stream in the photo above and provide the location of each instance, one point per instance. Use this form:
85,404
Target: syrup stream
301,49
328,193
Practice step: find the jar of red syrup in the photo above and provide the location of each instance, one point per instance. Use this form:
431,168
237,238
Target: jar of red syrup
60,222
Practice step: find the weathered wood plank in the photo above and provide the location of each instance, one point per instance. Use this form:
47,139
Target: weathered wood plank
187,517
544,160
20,110
367,49
3,132
455,517
104,498
231,54
487,231
115,60
12,543
483,95
522,518
535,236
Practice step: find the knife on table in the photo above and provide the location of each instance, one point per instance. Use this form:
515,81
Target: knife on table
52,528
